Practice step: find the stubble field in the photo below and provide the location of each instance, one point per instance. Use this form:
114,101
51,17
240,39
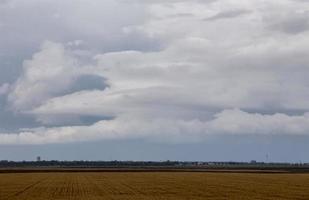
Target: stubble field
152,185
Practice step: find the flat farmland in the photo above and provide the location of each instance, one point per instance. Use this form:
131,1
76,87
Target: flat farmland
152,185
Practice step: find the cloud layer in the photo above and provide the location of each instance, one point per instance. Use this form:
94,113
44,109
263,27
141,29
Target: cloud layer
200,68
234,122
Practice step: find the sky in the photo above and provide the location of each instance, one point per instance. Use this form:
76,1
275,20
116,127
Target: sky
206,80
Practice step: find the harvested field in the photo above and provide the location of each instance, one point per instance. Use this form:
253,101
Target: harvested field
152,185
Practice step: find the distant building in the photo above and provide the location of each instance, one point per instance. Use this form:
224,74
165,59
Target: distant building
253,162
38,159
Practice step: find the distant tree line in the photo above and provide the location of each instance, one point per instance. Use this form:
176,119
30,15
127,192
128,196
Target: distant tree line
124,164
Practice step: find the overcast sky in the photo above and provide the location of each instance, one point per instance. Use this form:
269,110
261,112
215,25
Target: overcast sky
154,80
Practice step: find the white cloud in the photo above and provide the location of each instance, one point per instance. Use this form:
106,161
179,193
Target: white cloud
235,122
48,74
244,58
240,122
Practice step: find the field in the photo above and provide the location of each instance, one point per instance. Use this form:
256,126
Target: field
152,185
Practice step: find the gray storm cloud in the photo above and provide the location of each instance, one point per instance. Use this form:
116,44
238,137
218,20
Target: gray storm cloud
223,68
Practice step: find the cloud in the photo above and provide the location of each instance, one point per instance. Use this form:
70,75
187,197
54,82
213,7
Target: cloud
301,1
49,73
240,122
227,14
88,82
54,71
3,2
4,88
201,81
292,23
67,21
172,1
235,122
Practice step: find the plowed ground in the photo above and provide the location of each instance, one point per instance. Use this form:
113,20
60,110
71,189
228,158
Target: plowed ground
152,185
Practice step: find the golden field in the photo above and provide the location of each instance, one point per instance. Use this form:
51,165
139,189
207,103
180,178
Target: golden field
152,185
